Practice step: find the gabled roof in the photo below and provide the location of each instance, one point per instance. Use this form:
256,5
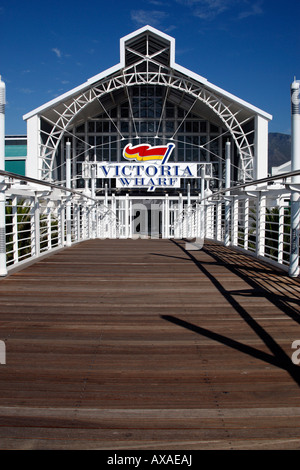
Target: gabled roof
158,45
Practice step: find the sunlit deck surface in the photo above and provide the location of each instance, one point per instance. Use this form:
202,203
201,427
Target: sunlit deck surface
139,344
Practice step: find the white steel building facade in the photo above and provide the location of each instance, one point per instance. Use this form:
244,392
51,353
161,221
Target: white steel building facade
147,99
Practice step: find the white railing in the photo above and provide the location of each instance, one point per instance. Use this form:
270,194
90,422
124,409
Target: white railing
254,217
37,220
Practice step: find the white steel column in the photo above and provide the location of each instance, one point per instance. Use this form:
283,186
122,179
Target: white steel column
281,230
180,212
33,148
295,193
49,228
14,211
188,213
219,220
3,268
62,223
127,229
261,225
68,201
167,216
246,223
93,192
261,148
78,222
37,231
163,219
235,221
227,201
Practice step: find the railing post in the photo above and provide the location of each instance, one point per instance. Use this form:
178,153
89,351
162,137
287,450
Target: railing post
14,212
62,222
32,226
261,225
93,194
295,230
227,201
280,231
78,221
114,209
163,214
3,267
188,213
209,227
219,220
246,223
37,231
180,218
127,222
295,193
98,219
167,216
49,228
89,221
235,221
68,201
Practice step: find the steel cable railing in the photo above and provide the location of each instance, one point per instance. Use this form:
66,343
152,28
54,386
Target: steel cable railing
36,218
258,221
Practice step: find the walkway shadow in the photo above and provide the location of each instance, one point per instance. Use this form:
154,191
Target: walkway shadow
279,358
169,256
263,280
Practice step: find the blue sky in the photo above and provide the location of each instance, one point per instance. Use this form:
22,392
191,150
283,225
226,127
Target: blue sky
248,47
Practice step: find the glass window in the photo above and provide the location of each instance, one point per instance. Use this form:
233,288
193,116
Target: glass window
195,126
80,129
99,126
91,127
147,104
180,112
188,126
170,111
150,112
195,154
214,148
124,110
214,128
124,126
169,126
203,126
113,154
106,126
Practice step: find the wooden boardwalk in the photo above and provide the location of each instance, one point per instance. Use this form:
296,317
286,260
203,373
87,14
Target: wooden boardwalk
123,344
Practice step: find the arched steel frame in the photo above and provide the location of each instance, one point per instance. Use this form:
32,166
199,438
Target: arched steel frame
130,76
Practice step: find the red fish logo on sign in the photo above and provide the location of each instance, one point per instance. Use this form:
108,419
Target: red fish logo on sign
145,152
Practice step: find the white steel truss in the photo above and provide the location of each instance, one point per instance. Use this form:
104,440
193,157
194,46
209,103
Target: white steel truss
131,76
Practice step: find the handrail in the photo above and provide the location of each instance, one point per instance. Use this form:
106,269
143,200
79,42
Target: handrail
251,183
221,224
244,185
45,183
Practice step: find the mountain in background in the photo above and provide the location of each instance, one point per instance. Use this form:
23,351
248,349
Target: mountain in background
279,149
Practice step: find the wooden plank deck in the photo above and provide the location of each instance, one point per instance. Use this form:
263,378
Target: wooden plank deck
138,344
